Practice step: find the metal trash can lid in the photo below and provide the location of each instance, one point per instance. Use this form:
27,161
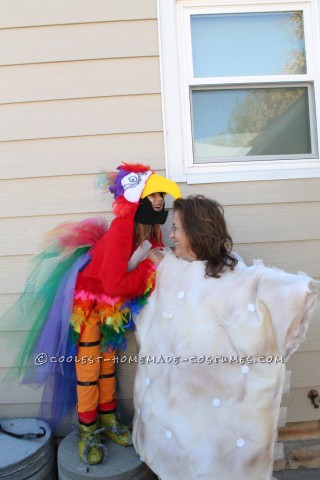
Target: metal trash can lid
15,452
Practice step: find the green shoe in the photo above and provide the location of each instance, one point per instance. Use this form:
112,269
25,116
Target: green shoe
90,448
114,430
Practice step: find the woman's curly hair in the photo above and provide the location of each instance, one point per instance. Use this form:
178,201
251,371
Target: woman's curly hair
203,221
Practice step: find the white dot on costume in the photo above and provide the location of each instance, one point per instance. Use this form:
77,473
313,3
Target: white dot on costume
139,411
168,313
216,402
148,381
245,369
240,442
251,307
180,294
168,434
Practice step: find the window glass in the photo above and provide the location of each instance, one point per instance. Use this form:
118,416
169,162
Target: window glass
250,122
270,43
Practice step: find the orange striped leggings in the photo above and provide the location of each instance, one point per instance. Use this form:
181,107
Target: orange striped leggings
96,383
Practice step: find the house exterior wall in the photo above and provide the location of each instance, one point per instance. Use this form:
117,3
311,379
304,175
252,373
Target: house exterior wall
80,92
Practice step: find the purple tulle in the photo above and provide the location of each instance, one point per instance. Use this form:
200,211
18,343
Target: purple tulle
57,373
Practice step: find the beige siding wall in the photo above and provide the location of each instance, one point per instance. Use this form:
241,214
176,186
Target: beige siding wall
80,91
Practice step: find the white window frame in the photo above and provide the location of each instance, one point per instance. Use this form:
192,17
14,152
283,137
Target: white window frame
177,77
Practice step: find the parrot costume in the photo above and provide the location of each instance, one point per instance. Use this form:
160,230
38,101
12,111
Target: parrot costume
84,293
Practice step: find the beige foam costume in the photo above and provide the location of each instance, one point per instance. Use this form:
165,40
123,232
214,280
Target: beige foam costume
199,418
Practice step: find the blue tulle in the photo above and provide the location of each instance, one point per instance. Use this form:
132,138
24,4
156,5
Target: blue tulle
57,373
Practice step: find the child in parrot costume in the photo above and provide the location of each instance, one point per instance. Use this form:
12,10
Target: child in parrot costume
83,295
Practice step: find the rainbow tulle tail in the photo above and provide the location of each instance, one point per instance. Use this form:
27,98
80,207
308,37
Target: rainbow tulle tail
44,308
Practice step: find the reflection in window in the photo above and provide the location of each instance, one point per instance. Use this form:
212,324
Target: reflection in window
250,122
269,43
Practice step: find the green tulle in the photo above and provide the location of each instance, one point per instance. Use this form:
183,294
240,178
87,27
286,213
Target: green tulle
31,309
73,336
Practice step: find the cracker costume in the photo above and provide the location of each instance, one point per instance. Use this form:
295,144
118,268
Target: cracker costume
206,407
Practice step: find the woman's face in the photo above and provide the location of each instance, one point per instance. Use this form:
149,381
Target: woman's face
157,201
181,241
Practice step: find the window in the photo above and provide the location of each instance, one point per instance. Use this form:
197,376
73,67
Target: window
241,87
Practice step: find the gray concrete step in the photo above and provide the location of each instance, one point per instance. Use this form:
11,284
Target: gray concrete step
122,463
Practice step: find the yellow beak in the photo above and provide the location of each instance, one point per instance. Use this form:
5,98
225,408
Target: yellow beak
157,183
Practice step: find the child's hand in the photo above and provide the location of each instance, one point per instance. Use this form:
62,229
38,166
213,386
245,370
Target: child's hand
156,256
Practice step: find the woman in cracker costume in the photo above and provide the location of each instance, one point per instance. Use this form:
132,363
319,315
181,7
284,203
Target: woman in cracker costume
99,278
205,407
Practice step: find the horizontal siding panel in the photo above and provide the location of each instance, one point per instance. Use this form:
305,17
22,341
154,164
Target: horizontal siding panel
6,301
10,345
49,196
21,121
63,156
289,256
23,236
300,408
95,78
19,238
13,273
52,195
14,390
17,13
305,369
79,42
312,340
14,410
247,193
270,224
79,155
275,222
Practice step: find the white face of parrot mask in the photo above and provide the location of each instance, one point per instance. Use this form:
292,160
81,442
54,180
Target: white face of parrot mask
133,185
